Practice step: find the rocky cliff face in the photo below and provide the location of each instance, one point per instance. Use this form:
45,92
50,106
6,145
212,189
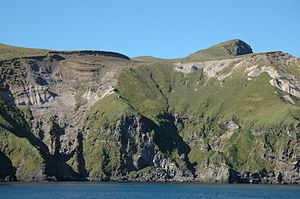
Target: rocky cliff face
93,116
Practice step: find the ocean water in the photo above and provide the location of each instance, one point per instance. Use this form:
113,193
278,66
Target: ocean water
111,190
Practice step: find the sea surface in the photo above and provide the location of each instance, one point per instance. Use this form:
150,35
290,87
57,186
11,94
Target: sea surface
111,190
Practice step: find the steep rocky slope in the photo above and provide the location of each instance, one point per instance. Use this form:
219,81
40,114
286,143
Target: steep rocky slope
222,114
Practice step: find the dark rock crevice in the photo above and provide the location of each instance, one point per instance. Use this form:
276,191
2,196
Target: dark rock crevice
7,170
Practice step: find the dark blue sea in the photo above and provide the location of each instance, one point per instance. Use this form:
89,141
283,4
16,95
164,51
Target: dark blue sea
110,190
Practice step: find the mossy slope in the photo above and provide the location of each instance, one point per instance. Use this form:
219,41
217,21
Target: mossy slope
226,49
10,52
26,161
202,104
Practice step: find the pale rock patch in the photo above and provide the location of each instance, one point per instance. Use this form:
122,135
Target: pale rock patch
289,99
210,68
279,79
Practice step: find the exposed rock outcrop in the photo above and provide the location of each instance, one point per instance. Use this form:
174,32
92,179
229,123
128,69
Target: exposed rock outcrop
279,79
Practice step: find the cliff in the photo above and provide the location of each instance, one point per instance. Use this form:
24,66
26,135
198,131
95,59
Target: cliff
223,114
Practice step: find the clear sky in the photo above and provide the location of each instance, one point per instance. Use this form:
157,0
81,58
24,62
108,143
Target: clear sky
161,28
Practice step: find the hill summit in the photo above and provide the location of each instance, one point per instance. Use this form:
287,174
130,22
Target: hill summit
225,49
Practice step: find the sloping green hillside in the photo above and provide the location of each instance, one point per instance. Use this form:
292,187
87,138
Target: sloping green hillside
226,49
9,52
23,159
157,91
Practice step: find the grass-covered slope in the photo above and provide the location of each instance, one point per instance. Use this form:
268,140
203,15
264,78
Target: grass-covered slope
9,52
223,50
19,158
102,155
203,105
155,89
226,49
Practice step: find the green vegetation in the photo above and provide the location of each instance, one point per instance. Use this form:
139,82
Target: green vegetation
142,91
14,143
153,59
9,52
101,152
102,156
242,152
223,50
146,170
21,153
293,70
106,112
157,91
11,118
204,160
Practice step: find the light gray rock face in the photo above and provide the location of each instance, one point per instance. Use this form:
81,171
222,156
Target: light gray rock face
210,68
215,68
230,126
53,89
141,158
31,95
172,169
215,167
287,85
288,98
137,143
28,176
280,79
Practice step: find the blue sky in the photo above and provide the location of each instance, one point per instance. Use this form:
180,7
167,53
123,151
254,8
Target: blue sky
161,28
